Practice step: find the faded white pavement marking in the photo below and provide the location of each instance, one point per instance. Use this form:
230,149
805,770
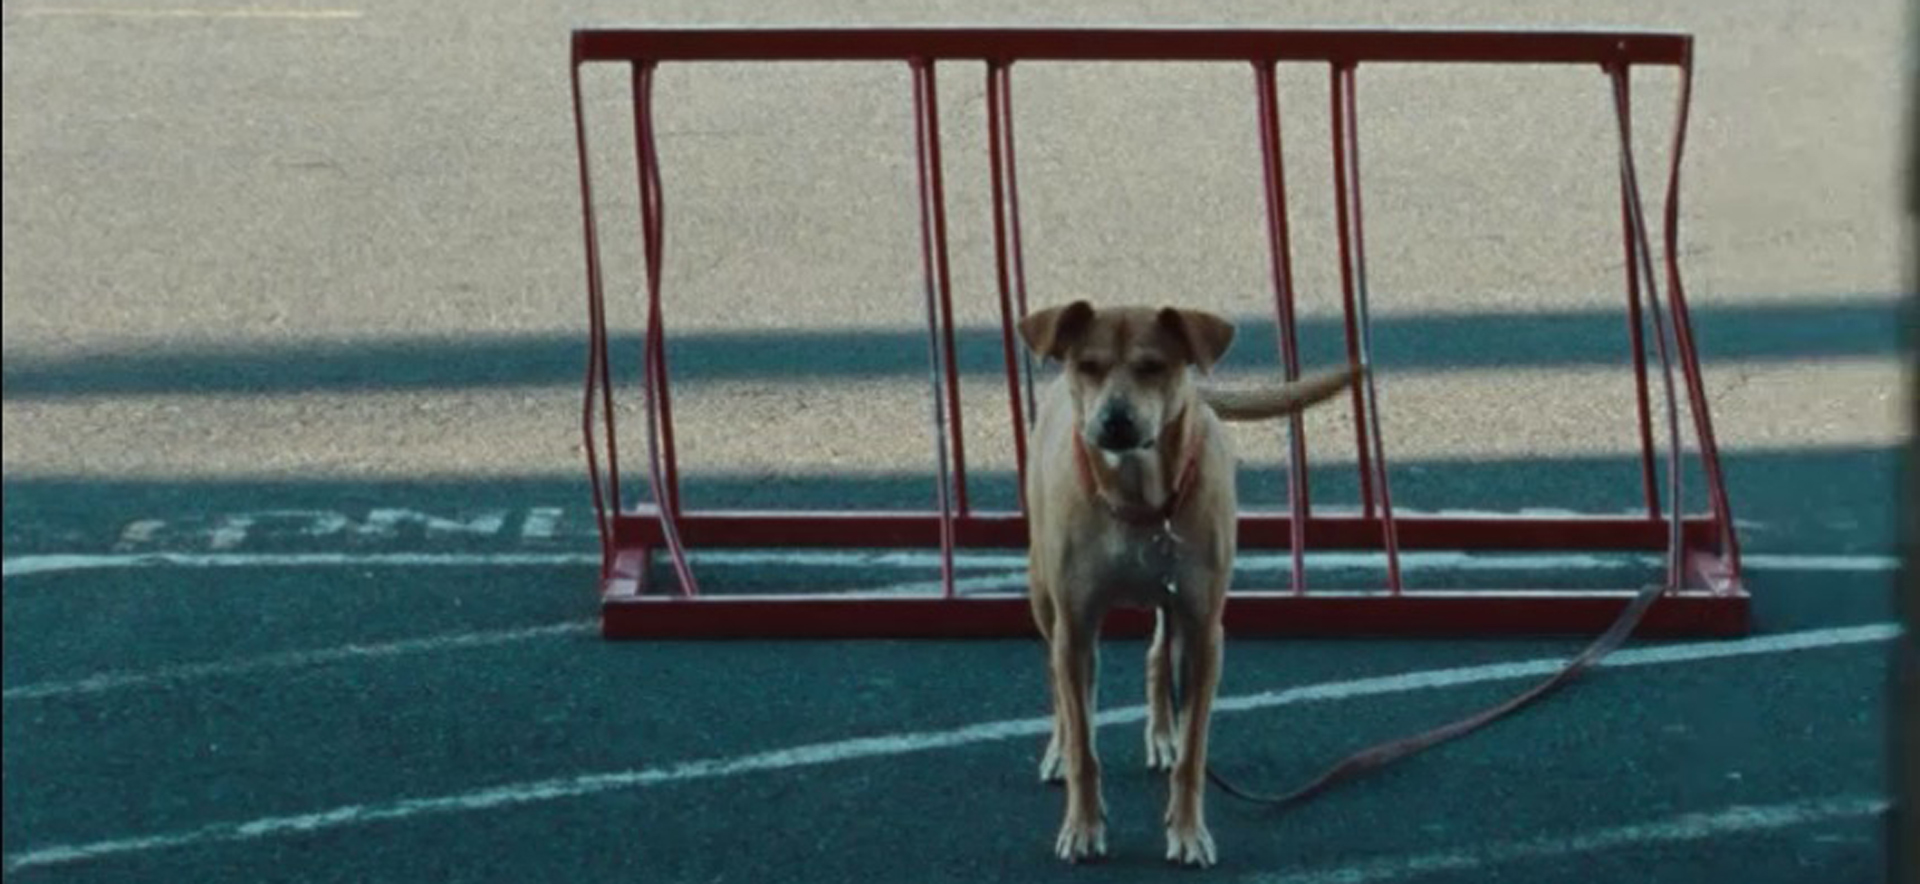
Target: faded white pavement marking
111,681
889,745
108,681
53,564
62,562
1739,819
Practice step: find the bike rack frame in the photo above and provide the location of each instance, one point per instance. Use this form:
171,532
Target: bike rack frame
1705,594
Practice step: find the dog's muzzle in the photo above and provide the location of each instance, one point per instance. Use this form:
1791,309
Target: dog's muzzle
1119,432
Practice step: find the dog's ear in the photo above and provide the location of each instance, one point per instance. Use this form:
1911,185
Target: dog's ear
1052,331
1205,335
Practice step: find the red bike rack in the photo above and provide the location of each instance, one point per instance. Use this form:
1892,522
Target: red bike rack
1704,592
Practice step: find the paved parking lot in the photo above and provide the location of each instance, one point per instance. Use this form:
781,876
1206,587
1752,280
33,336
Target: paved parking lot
298,556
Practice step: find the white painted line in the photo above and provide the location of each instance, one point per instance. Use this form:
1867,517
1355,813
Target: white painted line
1821,563
1442,561
1740,819
51,564
1459,562
239,13
1284,561
1787,642
1002,584
962,586
111,681
985,583
890,745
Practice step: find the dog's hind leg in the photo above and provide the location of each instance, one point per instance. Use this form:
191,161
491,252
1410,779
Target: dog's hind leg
1162,744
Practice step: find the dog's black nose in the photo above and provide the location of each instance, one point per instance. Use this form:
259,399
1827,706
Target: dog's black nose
1117,432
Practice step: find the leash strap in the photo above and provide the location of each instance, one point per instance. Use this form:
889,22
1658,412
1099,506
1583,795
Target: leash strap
1376,757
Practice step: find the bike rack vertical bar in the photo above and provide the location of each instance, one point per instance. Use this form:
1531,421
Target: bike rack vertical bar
997,146
1619,73
1649,487
939,195
1683,333
667,493
1349,147
933,259
596,341
1013,230
1280,251
1346,290
660,460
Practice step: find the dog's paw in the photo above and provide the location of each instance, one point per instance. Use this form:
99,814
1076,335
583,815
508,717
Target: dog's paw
1190,846
1052,768
1081,839
1163,749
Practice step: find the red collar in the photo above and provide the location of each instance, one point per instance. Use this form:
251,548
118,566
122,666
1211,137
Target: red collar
1137,513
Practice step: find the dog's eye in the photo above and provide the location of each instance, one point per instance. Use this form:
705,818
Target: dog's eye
1088,367
1149,367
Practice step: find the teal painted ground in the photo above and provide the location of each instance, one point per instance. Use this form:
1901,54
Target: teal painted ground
268,726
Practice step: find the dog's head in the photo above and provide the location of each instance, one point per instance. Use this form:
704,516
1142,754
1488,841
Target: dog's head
1127,365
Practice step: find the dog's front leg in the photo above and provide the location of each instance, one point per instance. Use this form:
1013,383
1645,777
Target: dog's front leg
1052,769
1083,835
1197,659
1162,744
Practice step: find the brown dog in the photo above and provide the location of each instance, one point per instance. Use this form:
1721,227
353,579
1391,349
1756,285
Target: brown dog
1130,500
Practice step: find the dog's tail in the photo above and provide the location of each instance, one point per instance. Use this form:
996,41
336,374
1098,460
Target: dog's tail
1271,402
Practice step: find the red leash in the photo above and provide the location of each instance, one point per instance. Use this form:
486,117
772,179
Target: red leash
1379,756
